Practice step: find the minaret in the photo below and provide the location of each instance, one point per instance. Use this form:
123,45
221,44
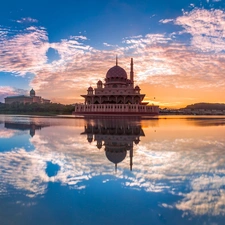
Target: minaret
131,158
132,72
116,60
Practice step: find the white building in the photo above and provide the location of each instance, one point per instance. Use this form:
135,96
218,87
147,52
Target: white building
26,99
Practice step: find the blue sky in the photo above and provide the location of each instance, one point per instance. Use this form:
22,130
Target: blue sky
59,48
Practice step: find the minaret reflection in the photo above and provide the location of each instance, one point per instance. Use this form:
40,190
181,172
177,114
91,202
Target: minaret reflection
116,135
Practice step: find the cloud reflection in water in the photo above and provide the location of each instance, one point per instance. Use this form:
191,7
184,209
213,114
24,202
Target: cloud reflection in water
187,162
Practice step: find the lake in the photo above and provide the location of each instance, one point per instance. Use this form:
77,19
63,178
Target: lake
107,171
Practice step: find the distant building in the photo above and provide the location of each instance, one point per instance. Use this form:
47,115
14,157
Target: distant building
116,96
26,99
25,126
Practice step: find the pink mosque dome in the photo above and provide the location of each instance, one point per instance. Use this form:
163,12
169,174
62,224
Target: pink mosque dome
116,72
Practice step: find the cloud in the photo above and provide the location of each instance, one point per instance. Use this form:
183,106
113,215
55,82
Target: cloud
166,21
6,91
4,133
106,44
204,199
23,53
79,37
110,45
189,164
10,91
162,60
134,37
206,28
27,20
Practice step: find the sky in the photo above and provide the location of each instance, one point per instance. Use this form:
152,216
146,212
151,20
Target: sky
60,48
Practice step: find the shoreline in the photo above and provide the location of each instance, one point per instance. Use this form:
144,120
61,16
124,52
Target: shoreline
144,117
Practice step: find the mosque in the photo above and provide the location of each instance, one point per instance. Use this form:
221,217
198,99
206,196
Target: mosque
116,96
26,99
117,137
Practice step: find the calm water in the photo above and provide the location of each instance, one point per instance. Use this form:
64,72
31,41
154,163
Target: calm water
63,171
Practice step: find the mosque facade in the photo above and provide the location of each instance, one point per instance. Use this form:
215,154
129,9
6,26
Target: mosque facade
26,99
117,95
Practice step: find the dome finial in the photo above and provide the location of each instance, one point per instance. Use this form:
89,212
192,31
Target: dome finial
116,60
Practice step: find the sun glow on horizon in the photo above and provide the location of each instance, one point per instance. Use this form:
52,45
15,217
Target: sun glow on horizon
181,64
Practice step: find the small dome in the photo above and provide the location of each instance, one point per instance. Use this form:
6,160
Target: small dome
90,89
115,72
99,82
32,92
137,88
90,139
99,145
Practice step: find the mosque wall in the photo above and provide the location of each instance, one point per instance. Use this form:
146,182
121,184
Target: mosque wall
115,108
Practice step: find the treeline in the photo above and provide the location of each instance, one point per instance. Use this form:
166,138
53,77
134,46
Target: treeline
36,108
207,106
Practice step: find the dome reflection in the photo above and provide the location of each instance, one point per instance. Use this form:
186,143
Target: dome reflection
116,135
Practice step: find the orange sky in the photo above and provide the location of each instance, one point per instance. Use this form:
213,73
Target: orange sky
174,69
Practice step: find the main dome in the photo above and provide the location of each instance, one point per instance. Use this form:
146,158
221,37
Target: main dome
116,72
116,155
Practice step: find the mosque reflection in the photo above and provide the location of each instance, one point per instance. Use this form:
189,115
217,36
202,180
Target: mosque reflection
32,127
116,136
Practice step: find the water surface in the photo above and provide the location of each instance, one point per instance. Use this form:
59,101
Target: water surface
59,171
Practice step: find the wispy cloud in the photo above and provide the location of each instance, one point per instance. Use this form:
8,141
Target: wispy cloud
9,91
27,20
5,133
110,45
163,163
4,90
173,60
24,52
78,37
166,21
206,28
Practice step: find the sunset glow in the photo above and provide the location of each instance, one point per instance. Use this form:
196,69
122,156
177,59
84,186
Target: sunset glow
60,49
